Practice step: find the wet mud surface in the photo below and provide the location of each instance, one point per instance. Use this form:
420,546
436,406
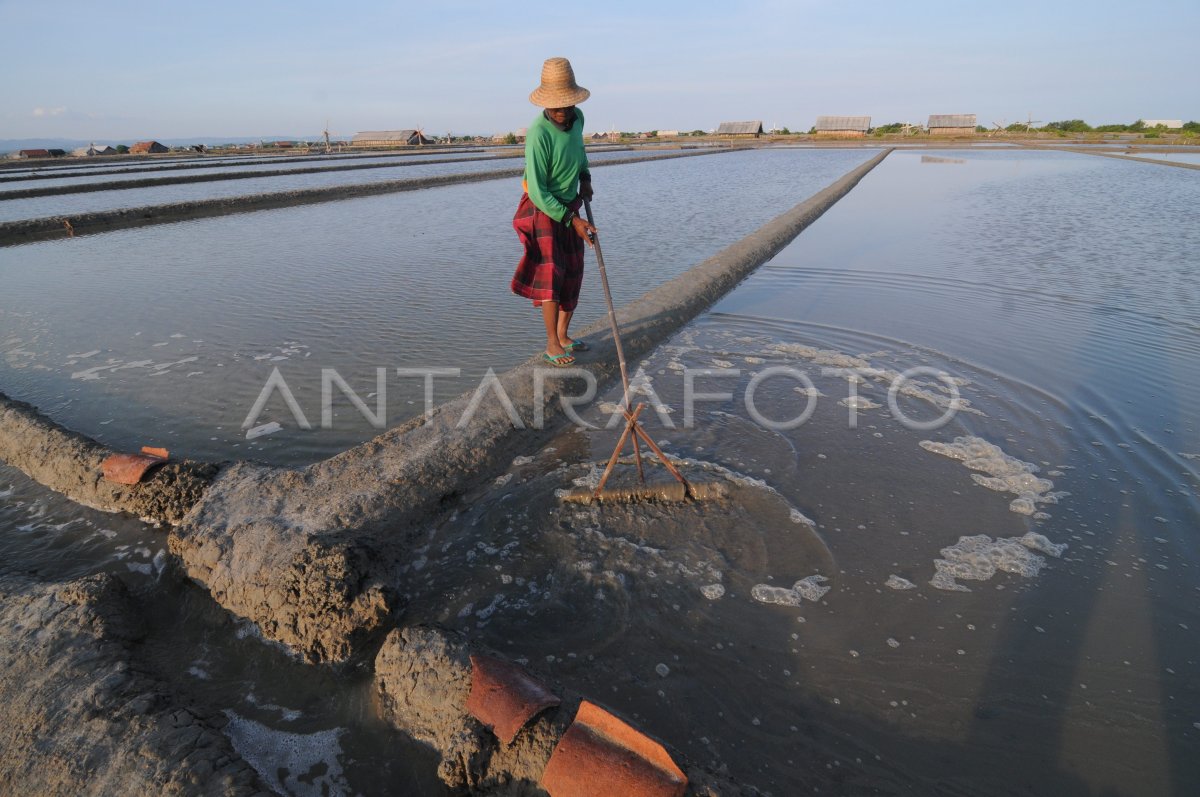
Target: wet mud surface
80,718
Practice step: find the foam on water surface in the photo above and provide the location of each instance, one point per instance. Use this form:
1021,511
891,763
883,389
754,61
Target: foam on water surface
978,557
808,588
1005,473
859,403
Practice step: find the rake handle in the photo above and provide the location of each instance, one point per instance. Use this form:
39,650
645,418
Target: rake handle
612,319
612,313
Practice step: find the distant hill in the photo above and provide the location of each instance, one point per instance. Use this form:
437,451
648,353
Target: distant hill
13,144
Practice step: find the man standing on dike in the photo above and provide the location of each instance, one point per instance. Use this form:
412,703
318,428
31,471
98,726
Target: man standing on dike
547,219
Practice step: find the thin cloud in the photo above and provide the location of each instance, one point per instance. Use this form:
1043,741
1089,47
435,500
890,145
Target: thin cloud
41,112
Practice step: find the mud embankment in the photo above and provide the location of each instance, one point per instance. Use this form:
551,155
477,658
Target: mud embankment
303,554
1158,161
76,717
423,676
70,463
27,230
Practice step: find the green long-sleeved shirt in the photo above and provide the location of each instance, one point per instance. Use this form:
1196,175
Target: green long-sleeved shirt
554,159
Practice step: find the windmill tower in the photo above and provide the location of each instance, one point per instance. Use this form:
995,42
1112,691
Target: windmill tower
1030,122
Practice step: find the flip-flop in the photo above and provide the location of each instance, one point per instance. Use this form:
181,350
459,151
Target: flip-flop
577,345
558,360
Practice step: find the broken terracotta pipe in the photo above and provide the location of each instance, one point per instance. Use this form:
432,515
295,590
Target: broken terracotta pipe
130,468
495,724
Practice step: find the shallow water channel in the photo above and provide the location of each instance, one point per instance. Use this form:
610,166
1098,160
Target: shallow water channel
1051,297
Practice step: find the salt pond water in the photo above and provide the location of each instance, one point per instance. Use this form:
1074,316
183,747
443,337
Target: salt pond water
961,641
382,282
1057,293
90,176
413,167
65,204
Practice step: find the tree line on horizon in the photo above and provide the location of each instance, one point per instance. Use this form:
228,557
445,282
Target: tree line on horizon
1064,126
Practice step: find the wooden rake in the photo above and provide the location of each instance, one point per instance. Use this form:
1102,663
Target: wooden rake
682,489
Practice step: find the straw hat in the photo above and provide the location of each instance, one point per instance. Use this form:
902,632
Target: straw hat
558,89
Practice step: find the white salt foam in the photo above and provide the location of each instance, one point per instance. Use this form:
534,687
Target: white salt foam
798,517
977,558
264,429
1039,542
765,593
859,403
1005,474
807,588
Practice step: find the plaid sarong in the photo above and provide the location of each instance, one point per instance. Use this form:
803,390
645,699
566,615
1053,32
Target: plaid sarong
551,270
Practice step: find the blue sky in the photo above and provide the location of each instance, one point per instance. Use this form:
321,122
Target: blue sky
169,70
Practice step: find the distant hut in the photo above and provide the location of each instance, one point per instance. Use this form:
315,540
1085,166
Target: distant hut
951,124
1169,124
519,135
147,148
33,153
842,125
753,129
92,150
389,138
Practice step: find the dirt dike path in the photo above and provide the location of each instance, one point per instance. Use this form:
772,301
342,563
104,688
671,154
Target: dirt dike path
70,463
1116,156
303,553
78,719
27,230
